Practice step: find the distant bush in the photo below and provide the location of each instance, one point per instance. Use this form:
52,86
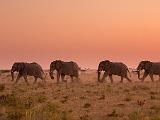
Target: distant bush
4,71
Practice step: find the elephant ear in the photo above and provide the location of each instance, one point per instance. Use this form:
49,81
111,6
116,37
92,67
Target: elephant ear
148,65
52,65
107,65
21,66
59,64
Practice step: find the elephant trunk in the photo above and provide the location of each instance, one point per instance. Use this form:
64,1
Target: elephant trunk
139,68
12,74
138,72
51,74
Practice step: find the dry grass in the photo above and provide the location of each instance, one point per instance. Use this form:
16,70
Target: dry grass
87,100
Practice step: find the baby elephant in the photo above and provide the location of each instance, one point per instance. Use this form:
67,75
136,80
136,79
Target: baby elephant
27,69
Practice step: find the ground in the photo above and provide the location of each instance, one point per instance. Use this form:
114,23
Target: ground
85,100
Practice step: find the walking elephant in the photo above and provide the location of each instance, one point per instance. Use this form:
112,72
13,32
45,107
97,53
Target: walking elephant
151,68
113,68
27,69
64,68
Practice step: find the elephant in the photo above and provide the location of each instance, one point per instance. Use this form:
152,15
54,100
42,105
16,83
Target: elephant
151,68
64,68
27,69
113,68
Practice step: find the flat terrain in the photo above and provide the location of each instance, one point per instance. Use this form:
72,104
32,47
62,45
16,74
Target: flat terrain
86,100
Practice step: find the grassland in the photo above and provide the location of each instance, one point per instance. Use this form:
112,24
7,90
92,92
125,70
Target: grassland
87,100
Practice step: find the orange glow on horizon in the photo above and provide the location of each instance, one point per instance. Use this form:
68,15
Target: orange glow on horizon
86,31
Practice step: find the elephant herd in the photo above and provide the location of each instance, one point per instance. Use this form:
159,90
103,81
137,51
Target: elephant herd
35,70
72,69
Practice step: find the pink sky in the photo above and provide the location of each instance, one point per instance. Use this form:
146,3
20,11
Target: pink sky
86,31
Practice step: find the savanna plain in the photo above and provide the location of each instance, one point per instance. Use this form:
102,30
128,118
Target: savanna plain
83,100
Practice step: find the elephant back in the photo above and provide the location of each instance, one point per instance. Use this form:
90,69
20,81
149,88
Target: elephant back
118,68
70,68
155,67
34,69
37,66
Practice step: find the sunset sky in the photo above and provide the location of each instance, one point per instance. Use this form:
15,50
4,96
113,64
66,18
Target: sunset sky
85,31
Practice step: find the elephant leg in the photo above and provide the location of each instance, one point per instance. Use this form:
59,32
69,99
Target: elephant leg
121,79
18,77
151,76
63,76
77,76
104,75
159,77
25,78
144,76
58,76
111,78
35,80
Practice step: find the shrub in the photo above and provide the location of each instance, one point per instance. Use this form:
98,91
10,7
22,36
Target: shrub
2,87
29,103
153,97
113,114
41,98
128,98
15,115
9,100
87,105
